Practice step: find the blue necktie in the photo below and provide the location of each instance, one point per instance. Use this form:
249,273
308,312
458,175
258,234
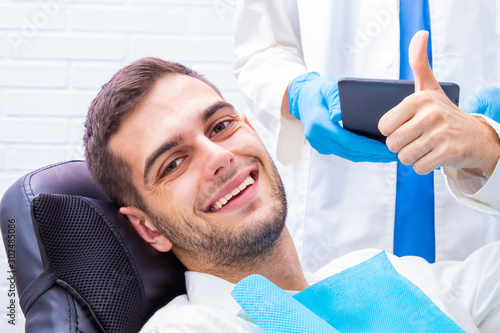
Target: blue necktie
414,218
369,297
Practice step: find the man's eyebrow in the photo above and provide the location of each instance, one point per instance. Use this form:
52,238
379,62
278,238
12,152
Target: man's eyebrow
204,116
157,153
212,109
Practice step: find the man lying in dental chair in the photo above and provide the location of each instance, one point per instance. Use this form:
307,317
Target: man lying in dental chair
193,177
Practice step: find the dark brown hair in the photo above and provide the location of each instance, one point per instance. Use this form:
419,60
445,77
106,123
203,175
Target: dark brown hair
118,98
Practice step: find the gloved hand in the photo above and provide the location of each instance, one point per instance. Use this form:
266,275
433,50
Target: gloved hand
486,101
314,100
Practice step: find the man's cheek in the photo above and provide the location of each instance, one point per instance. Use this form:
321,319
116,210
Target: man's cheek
254,145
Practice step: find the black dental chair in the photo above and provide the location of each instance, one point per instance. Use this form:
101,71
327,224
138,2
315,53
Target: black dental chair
80,265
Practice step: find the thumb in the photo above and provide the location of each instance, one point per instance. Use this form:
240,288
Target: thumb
419,63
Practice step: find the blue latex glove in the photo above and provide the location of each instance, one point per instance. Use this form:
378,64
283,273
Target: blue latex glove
314,100
485,101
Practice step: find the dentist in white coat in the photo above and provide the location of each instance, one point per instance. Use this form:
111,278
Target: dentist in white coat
279,43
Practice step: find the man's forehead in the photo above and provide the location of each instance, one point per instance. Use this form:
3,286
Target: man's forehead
178,89
174,96
176,104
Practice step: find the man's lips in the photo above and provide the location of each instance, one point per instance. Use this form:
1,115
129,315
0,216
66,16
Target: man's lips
231,190
228,197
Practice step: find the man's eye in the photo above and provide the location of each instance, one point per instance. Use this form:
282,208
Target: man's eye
172,166
220,127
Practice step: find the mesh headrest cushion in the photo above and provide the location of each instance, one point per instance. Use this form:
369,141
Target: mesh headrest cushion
89,257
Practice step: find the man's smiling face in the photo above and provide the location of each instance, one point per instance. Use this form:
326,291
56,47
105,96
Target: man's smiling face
203,172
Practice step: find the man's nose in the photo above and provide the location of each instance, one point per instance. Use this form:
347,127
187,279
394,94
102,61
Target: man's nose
214,157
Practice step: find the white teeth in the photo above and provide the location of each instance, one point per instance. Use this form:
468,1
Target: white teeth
225,199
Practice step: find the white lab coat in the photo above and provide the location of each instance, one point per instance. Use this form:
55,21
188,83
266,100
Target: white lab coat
277,40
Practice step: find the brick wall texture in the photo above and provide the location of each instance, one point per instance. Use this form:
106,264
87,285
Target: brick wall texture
55,55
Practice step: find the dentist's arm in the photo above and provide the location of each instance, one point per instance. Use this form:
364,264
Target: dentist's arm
268,55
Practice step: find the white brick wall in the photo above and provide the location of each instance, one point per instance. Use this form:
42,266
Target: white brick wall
55,55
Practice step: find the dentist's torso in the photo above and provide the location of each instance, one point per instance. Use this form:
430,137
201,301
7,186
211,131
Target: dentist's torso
355,201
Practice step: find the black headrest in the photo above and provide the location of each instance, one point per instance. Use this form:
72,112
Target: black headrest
80,264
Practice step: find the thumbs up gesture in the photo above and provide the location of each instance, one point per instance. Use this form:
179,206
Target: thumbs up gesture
428,131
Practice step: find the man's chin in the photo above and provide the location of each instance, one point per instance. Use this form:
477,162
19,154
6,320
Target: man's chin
246,248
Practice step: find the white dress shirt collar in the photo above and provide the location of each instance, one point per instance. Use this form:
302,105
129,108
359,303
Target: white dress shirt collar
206,289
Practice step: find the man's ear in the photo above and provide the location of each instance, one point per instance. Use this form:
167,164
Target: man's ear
245,120
146,229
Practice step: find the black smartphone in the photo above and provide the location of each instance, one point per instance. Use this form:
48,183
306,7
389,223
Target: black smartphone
364,101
